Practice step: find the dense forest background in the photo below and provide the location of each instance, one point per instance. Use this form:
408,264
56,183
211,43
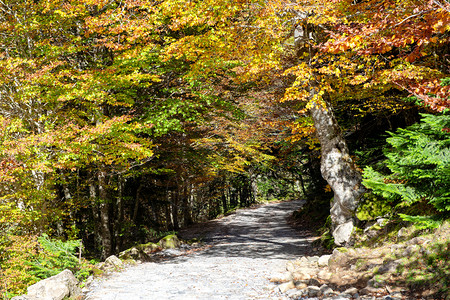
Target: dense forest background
123,120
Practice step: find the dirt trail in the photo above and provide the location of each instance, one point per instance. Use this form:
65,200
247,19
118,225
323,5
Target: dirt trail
246,249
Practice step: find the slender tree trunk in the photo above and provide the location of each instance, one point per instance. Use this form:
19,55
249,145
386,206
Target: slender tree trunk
224,202
104,206
302,183
95,212
136,204
67,196
185,194
155,213
173,199
232,194
169,222
254,185
119,215
338,170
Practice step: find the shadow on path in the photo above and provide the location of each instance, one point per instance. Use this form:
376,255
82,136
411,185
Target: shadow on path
261,232
244,250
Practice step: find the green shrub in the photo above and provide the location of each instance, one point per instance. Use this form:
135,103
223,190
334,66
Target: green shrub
419,162
56,256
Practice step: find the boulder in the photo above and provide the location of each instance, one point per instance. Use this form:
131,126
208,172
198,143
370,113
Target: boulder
382,221
326,290
280,278
112,263
140,252
58,287
148,248
377,282
323,260
294,294
300,285
301,276
402,234
369,290
169,242
351,291
390,266
286,286
290,266
410,250
132,253
338,259
313,291
324,275
302,261
314,282
342,233
312,259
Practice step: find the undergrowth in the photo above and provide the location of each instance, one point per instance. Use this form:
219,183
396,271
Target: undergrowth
27,259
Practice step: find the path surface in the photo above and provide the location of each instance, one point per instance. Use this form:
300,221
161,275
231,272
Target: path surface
247,248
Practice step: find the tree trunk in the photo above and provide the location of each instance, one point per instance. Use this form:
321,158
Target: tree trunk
104,215
119,215
338,170
224,201
186,191
173,198
136,204
95,212
168,207
302,184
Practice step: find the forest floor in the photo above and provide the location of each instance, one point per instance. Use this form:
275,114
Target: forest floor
243,251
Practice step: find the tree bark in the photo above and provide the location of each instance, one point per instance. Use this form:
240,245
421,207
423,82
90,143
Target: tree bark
338,170
95,212
224,201
119,214
186,191
104,215
136,204
173,198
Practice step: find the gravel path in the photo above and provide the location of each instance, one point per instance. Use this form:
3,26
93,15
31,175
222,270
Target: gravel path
246,249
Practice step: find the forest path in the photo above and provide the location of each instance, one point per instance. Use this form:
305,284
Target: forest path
247,248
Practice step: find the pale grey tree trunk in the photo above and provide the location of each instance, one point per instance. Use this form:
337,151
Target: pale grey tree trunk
336,166
339,171
105,225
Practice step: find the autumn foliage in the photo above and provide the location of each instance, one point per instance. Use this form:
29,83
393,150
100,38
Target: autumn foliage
174,108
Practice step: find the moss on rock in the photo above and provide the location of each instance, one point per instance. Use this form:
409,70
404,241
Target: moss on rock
169,242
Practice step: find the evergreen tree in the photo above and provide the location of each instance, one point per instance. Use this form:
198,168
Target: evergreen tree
419,165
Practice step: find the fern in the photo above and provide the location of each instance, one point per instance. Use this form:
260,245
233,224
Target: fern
55,257
423,222
419,162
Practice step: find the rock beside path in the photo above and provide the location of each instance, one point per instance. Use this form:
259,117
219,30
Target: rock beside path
308,278
376,273
58,287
